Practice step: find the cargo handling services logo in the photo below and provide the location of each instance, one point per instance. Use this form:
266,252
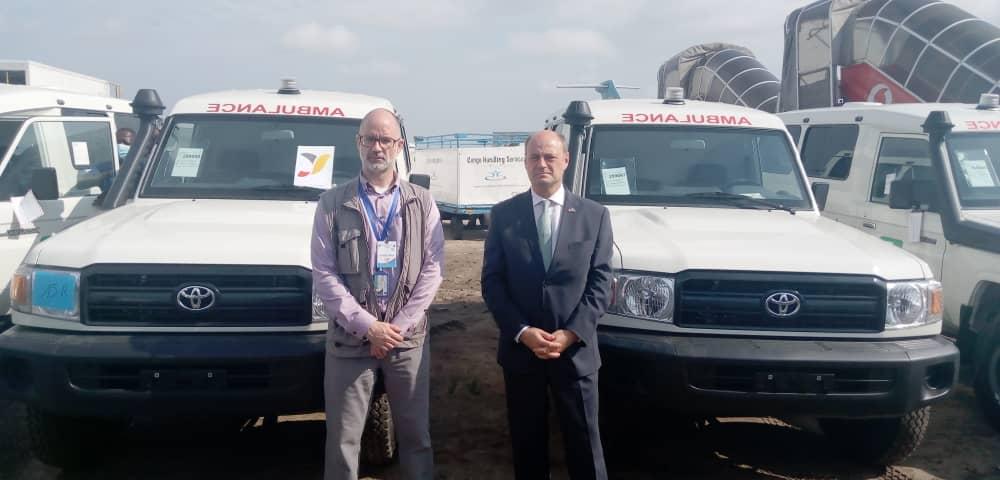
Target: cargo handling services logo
317,164
495,175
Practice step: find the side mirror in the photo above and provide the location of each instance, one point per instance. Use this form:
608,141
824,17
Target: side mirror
421,179
821,191
44,184
906,194
901,195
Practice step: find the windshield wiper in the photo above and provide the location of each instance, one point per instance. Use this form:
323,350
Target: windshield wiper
306,191
733,198
284,188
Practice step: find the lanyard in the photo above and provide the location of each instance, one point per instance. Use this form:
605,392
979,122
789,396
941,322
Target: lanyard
373,217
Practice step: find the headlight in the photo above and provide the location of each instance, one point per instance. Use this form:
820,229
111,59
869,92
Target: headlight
912,304
644,296
53,293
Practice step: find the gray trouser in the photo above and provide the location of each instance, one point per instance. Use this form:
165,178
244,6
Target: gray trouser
348,386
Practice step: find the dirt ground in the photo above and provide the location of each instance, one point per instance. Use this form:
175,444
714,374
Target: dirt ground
470,437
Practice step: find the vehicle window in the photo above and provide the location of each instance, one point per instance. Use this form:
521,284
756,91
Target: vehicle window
214,156
796,132
8,130
679,165
828,150
55,144
13,77
127,120
900,158
975,161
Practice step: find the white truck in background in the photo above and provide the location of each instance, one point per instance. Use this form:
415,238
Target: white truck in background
923,177
34,74
467,181
60,146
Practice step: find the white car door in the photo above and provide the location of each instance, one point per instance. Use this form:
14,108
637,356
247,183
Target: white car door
57,143
904,156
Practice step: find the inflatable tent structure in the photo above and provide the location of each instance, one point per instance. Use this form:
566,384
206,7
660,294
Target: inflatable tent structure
720,72
888,51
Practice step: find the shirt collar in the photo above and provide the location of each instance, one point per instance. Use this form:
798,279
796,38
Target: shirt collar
559,198
369,188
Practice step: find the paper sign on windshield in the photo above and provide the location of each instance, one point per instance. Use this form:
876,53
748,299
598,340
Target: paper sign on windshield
977,168
187,162
615,181
81,154
314,167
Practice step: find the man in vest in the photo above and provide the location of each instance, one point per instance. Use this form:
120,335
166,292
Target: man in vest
377,254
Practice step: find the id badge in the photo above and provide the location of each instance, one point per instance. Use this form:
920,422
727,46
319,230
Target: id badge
385,255
381,283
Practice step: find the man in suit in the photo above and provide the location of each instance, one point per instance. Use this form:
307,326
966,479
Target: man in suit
547,280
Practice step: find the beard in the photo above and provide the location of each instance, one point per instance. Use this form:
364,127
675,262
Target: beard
377,166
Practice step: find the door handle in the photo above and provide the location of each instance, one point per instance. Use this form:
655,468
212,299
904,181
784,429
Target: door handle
870,225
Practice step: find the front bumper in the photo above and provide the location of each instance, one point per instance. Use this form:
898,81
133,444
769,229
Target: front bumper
727,376
115,375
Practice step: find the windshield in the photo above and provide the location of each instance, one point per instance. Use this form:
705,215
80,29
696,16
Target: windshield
693,166
8,130
240,157
975,161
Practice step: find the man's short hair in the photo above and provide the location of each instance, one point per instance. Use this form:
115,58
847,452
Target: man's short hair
562,141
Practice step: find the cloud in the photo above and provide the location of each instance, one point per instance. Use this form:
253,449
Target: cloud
376,68
412,15
562,42
605,13
312,37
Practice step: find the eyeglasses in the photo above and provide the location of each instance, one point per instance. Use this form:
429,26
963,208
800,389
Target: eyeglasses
371,140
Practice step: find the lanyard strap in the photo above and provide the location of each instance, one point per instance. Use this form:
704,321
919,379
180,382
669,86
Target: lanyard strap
380,235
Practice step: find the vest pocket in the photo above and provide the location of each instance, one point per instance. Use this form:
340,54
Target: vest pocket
348,261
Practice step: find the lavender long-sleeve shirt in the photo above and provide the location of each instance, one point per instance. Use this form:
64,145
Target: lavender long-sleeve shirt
340,304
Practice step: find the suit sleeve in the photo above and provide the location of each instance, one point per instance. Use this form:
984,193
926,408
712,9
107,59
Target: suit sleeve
597,293
494,283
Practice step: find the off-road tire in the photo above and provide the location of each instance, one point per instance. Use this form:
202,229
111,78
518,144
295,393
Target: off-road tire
987,381
378,443
879,441
68,442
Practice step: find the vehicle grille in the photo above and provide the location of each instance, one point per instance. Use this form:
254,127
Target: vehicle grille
736,300
146,295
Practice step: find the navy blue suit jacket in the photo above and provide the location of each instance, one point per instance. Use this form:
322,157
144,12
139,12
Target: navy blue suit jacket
572,295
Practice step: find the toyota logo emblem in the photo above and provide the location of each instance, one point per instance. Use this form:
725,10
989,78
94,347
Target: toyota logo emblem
196,298
782,304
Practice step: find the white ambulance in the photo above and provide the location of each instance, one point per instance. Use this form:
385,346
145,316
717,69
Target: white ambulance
733,296
923,177
60,146
193,294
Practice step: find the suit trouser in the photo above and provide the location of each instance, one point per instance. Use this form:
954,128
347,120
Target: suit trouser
528,419
348,386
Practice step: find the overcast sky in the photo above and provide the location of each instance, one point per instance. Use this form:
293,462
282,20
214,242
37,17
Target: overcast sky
448,65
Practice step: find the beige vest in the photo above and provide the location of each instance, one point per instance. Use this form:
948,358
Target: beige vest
349,236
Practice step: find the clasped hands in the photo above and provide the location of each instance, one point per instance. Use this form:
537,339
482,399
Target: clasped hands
383,337
545,345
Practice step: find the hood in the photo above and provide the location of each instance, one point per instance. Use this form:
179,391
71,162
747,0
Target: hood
675,239
988,218
219,232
